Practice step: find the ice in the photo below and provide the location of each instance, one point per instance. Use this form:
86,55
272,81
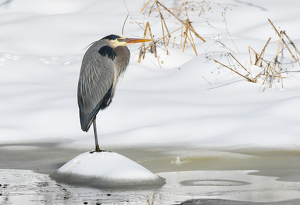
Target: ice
106,169
189,187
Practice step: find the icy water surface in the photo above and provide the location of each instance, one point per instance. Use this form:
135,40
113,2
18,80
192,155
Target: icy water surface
27,187
235,175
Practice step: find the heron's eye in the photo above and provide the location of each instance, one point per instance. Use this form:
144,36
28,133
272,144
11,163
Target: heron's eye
118,39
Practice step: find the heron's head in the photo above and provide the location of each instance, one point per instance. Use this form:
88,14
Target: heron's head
120,40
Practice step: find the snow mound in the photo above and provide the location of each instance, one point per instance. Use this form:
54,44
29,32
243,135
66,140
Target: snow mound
105,170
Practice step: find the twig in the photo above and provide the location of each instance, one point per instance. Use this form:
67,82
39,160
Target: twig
151,8
171,33
164,23
267,73
249,47
229,33
145,6
124,24
206,79
165,36
238,62
143,50
278,49
289,48
274,27
225,47
183,4
235,71
263,50
152,44
201,8
185,37
174,41
131,15
291,42
164,26
181,36
196,34
191,27
250,55
192,44
171,12
283,40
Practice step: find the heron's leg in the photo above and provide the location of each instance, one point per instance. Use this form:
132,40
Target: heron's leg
96,138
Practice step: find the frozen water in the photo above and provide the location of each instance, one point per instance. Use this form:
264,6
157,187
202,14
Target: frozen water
186,187
235,173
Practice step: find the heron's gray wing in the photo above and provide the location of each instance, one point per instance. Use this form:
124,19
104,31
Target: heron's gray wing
95,82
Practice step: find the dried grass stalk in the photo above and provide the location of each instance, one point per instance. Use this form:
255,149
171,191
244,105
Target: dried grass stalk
164,27
174,41
192,42
152,43
250,55
283,40
263,50
189,24
185,37
291,42
201,8
278,49
250,80
145,6
238,62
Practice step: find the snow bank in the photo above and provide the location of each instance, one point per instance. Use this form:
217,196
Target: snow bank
190,99
106,170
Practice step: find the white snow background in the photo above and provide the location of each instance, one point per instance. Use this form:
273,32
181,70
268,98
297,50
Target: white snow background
189,100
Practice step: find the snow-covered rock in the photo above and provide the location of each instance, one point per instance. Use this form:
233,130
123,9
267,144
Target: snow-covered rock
106,169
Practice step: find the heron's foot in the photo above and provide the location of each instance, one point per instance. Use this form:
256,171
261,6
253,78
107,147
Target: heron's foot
98,151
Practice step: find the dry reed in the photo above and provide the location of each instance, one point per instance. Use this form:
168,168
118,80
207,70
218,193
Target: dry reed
271,69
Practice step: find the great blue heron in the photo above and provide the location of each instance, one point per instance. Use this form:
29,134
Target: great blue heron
102,65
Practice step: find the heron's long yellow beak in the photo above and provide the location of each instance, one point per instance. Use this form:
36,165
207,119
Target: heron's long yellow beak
135,40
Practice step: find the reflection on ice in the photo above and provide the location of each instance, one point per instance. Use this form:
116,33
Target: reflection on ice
213,182
234,185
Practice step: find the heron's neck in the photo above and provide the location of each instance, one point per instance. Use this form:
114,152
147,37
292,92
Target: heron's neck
122,55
